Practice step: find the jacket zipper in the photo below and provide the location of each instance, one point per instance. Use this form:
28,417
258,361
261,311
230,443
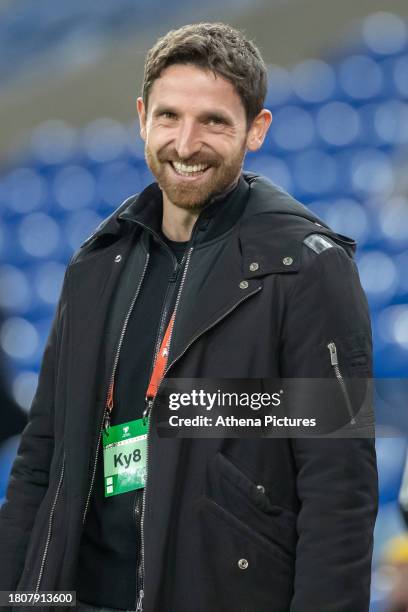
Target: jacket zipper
109,399
150,403
146,413
50,521
334,360
163,316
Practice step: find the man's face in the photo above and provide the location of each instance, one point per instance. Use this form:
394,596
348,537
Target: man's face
195,134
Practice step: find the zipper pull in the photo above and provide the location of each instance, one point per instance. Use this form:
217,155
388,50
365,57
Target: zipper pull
139,606
106,422
333,354
335,363
177,269
108,408
146,411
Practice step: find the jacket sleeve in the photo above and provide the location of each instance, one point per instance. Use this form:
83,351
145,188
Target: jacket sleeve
29,474
336,476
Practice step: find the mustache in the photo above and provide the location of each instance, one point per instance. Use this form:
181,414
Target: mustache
193,160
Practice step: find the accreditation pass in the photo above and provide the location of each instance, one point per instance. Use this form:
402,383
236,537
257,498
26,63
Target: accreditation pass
124,457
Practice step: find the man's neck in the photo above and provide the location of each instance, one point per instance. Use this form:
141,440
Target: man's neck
178,222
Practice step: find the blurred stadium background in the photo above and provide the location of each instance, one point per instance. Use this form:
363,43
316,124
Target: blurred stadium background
70,153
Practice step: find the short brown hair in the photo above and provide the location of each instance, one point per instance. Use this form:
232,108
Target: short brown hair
217,47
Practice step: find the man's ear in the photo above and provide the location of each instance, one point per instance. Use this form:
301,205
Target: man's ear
141,111
259,127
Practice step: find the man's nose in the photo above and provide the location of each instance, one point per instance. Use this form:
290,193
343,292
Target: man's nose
187,140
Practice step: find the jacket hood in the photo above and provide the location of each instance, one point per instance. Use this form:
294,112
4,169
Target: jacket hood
273,228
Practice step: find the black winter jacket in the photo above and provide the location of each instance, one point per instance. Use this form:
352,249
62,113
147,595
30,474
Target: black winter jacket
214,540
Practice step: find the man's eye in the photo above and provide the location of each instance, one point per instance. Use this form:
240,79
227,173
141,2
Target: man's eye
167,115
215,121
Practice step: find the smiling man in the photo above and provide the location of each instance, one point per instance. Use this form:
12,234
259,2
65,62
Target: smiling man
195,145
209,273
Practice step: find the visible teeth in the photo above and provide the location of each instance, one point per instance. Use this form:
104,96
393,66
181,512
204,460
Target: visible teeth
189,169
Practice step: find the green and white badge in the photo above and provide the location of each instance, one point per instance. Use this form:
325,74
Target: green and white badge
124,457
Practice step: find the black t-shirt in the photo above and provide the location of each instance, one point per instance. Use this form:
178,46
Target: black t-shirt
110,545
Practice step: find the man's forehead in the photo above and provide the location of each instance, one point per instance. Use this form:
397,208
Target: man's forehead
180,83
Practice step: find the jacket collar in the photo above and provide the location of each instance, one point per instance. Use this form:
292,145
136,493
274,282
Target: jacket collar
217,216
248,202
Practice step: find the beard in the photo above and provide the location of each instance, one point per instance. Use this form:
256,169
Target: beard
191,196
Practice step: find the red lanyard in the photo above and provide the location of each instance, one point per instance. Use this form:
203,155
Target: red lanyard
160,362
158,368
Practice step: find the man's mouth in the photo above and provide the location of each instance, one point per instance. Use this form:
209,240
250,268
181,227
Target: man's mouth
189,170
